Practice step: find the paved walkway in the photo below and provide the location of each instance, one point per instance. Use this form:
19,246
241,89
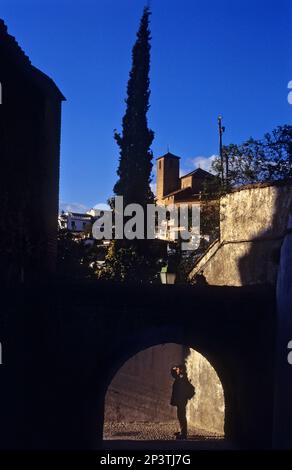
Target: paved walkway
158,436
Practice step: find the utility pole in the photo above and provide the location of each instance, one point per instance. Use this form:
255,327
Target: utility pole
221,130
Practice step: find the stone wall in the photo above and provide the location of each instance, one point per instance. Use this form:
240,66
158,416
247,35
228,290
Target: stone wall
206,410
141,389
252,226
60,355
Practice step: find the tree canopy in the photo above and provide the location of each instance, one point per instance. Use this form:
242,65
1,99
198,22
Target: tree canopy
253,161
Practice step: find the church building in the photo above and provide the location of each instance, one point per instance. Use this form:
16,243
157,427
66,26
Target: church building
191,189
172,188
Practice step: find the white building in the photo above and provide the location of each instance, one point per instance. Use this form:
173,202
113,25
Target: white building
76,222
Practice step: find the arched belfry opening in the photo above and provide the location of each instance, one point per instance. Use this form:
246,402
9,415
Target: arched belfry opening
137,402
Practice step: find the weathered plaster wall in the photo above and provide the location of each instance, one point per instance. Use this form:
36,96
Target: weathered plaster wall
252,226
206,410
141,389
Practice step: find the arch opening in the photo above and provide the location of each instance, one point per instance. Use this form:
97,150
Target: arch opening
137,402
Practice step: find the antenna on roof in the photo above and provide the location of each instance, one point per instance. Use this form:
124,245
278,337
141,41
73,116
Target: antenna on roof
167,148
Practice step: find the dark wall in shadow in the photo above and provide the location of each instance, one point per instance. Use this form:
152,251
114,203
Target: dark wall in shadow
270,253
63,344
30,124
283,377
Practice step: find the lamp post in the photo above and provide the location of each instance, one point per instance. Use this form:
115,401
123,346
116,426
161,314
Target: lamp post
167,276
221,130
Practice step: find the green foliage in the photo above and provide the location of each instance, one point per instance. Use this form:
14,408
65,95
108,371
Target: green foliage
125,263
77,259
210,220
253,161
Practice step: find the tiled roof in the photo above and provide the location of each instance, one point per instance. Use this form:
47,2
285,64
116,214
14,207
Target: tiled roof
185,194
168,155
185,191
199,173
79,214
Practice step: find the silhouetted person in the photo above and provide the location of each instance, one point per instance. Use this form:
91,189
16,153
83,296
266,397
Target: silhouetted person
182,391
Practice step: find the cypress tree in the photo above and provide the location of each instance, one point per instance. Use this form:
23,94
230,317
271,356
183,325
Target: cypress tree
135,162
134,260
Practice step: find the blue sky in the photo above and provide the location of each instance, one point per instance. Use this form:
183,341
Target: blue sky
208,57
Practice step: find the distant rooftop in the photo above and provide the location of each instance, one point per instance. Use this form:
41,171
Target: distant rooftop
184,195
168,155
77,214
199,173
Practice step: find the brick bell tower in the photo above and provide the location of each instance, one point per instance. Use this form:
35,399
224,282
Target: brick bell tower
167,178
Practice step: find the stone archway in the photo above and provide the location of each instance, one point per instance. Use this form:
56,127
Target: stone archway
137,399
88,334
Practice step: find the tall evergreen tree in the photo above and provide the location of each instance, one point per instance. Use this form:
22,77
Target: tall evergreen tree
135,163
135,260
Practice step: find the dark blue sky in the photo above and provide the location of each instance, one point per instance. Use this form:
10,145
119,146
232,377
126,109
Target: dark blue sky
208,57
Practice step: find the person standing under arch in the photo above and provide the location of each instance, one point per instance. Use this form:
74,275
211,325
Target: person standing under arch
182,392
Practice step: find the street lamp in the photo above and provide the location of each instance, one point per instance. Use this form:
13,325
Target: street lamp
167,276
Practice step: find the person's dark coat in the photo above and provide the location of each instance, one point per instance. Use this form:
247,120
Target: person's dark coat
182,391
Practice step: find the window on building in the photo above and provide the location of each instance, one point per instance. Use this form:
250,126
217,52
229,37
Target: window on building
159,165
